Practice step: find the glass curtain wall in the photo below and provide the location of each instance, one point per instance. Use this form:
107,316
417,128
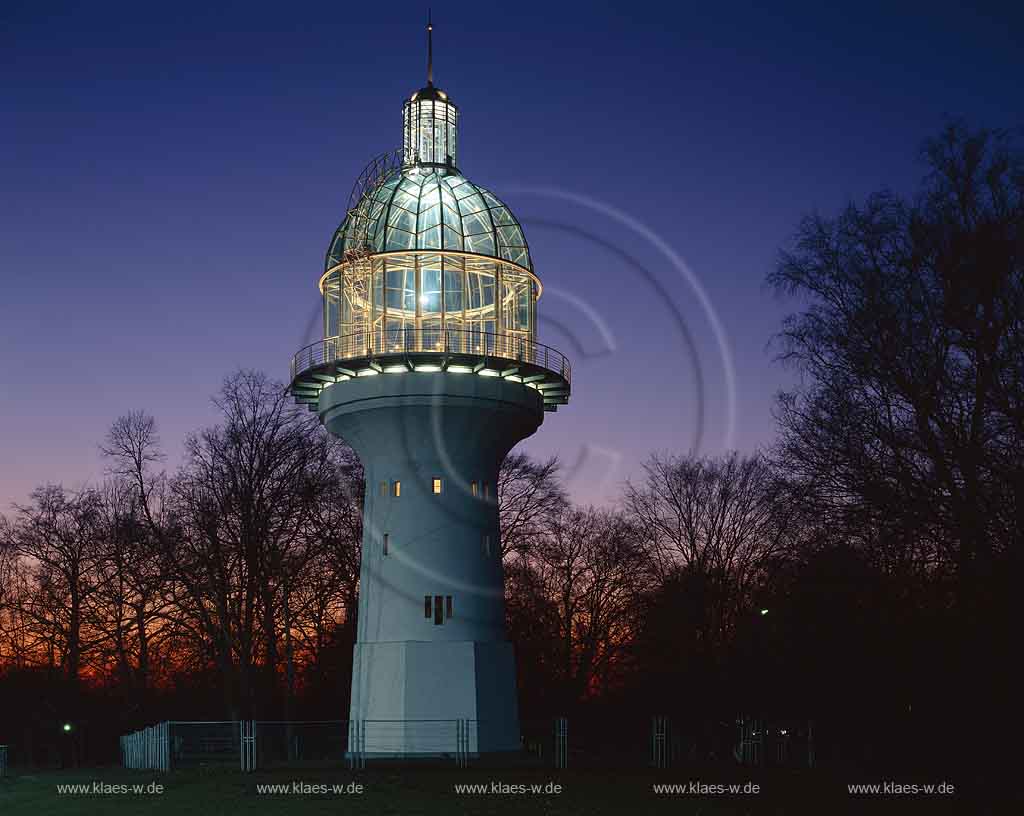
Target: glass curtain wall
421,301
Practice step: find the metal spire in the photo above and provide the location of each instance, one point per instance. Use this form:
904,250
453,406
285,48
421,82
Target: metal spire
430,51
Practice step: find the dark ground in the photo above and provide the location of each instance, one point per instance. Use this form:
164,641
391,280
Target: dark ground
411,791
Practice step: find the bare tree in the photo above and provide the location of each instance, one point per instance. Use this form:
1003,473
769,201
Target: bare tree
59,535
528,493
910,421
246,497
585,567
722,522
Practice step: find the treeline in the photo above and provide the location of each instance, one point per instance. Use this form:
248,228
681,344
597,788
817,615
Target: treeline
229,588
862,572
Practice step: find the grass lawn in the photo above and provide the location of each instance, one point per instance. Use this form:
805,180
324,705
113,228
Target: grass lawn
428,791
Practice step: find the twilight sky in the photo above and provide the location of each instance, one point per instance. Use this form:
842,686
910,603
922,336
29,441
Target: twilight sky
170,175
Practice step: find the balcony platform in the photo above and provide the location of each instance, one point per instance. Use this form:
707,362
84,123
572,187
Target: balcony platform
456,353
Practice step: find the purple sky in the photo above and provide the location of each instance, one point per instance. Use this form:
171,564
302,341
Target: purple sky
171,176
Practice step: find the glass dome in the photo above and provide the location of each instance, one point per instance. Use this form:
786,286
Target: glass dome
428,272
424,207
426,260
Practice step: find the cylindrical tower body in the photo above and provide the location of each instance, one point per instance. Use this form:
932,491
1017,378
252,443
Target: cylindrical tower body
430,369
431,628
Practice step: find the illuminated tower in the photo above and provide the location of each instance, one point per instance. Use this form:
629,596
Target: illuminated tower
430,369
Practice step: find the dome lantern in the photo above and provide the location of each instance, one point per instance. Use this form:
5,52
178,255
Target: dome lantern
429,120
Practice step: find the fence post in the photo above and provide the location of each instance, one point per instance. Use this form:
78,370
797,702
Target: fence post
356,744
810,743
561,742
659,742
3,760
247,732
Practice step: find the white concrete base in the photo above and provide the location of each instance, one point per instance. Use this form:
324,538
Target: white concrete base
411,693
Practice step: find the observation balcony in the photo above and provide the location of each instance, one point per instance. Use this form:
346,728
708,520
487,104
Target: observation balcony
512,357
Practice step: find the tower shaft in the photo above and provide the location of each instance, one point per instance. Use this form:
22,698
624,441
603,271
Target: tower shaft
431,639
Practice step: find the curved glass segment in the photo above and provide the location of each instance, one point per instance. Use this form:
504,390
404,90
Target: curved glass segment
421,301
430,208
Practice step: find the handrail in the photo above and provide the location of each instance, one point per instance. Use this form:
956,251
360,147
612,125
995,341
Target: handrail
429,340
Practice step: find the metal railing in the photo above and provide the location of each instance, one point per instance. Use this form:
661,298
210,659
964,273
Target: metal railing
411,340
148,749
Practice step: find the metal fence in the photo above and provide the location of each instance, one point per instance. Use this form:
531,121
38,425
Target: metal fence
259,744
367,345
252,744
298,743
148,749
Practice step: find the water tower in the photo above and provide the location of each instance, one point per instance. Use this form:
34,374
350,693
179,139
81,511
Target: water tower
431,370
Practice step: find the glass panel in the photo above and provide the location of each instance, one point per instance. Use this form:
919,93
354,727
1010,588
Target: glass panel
452,239
430,239
452,289
489,197
501,215
332,304
401,289
472,202
397,334
483,244
405,199
398,240
430,292
431,337
402,219
430,196
430,217
448,199
510,236
475,225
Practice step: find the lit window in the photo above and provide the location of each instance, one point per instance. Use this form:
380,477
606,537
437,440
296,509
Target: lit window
473,488
436,486
383,488
447,606
427,609
487,490
396,489
386,540
438,610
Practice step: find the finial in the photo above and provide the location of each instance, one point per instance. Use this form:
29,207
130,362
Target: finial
430,51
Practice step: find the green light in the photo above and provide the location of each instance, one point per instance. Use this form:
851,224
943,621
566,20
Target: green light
67,728
764,611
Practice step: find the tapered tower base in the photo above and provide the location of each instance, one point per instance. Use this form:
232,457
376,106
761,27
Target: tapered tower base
410,696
